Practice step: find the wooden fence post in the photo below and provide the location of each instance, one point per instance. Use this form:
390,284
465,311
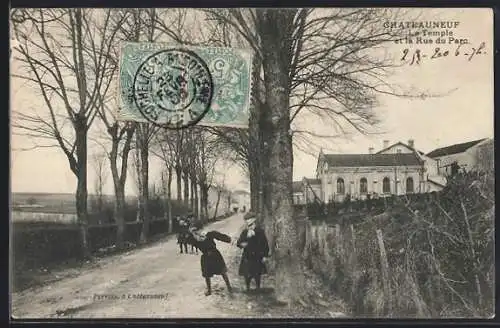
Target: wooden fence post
385,272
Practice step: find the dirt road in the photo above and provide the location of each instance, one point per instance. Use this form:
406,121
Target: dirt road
152,282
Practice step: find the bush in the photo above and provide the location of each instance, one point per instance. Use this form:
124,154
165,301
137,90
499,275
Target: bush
439,252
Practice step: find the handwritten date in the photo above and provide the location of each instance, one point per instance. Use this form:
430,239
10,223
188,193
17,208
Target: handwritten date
416,56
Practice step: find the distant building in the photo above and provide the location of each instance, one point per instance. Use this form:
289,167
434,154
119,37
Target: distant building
432,180
395,170
464,156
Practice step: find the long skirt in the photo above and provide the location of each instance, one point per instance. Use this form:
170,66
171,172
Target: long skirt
252,267
212,263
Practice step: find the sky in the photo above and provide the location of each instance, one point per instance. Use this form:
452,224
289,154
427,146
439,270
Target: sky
462,112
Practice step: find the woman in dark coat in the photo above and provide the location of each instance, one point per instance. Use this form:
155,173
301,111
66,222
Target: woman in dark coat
255,247
212,262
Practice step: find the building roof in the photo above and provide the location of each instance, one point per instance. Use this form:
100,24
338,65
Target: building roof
363,160
454,149
402,144
313,181
298,186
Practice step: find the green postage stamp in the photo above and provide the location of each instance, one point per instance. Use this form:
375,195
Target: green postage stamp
176,86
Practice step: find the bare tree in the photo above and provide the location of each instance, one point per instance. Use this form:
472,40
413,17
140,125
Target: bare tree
220,188
186,163
100,170
119,134
329,63
144,21
209,154
178,143
54,48
121,137
164,147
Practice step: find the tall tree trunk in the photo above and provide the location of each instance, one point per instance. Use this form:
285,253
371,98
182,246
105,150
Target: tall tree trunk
144,173
265,133
185,178
194,198
191,200
205,201
178,177
217,204
81,187
120,215
137,162
254,160
119,210
119,180
275,29
169,200
254,143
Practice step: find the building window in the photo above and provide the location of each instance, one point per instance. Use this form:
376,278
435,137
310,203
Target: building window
363,186
340,186
409,185
386,186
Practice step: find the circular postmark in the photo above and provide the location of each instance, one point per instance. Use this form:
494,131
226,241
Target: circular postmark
173,88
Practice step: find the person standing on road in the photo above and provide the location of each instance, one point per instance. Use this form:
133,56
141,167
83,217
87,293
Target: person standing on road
255,248
212,262
182,234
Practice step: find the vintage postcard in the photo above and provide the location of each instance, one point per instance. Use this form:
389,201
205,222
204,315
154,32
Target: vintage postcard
252,163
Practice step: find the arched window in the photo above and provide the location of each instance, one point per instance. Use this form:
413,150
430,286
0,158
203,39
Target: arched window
363,186
386,185
409,185
340,186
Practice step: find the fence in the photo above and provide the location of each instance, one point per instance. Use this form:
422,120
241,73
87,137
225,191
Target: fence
356,208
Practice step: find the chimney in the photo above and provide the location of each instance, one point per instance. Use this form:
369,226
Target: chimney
411,143
370,150
386,144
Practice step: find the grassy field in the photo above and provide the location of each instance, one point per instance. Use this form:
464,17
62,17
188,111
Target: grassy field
50,203
60,208
48,207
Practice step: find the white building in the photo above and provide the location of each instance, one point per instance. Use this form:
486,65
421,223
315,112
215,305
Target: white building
432,179
397,169
460,156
